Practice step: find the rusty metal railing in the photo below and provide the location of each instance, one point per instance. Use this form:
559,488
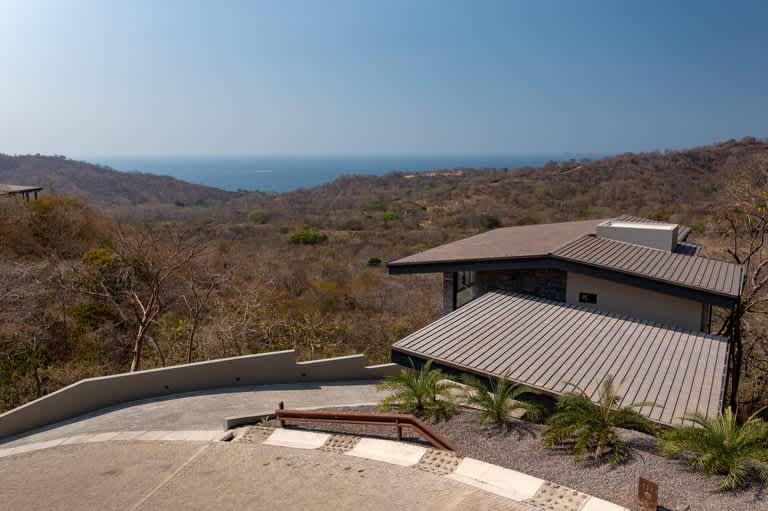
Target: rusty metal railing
397,420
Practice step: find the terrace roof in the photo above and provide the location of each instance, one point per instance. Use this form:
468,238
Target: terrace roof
547,345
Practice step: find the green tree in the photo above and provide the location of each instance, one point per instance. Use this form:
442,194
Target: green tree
258,216
424,392
498,399
310,237
591,427
722,445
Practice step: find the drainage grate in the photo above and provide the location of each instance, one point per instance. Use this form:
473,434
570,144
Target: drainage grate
553,497
438,462
340,443
256,434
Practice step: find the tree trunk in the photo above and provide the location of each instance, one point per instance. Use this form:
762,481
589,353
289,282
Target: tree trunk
137,345
736,355
192,332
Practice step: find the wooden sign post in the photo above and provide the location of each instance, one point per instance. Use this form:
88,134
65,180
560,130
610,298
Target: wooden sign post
647,495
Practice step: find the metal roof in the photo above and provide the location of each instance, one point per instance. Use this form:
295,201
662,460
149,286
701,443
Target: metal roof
547,345
576,243
709,275
504,243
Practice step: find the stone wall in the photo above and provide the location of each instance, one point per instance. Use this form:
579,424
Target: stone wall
550,284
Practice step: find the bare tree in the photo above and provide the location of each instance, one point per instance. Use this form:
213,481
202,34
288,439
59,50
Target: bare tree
199,292
136,275
744,224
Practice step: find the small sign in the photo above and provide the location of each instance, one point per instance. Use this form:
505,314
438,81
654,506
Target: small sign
647,495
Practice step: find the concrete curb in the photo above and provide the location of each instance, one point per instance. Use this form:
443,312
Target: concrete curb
118,436
256,417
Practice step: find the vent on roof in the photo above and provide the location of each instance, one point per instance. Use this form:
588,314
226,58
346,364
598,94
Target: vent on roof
654,235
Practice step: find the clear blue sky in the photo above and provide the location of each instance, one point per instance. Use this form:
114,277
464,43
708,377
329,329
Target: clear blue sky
321,76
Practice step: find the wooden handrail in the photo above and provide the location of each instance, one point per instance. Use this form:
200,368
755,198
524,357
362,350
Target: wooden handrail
398,420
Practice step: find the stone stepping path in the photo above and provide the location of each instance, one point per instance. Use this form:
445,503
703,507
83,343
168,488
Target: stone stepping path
537,493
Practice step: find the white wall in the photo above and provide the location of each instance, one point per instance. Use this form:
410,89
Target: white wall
636,302
264,368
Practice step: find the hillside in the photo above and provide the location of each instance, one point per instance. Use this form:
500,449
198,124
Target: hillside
265,280
101,185
675,185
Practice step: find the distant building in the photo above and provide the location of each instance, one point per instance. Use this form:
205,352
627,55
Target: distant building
27,192
570,303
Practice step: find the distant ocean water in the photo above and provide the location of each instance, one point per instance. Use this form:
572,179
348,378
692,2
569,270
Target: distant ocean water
286,173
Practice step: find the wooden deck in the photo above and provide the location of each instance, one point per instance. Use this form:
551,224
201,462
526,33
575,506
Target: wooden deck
547,345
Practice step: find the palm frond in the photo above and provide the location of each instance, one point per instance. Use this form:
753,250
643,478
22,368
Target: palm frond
721,445
591,427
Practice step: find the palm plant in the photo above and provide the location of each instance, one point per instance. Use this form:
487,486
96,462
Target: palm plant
592,427
424,392
722,445
498,399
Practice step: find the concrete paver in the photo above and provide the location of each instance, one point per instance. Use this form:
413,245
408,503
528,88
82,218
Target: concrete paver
203,410
297,439
387,451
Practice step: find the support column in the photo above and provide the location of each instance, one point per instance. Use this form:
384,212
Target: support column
449,292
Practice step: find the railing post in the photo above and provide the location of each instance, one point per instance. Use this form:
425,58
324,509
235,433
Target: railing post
399,430
281,406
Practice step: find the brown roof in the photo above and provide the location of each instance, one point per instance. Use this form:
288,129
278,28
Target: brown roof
505,243
11,189
576,242
546,345
709,275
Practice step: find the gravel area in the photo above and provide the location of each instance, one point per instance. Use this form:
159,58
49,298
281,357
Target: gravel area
521,450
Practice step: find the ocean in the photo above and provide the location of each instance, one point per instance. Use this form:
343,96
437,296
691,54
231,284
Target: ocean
285,173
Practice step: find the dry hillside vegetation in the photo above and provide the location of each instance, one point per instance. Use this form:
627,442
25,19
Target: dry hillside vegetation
302,270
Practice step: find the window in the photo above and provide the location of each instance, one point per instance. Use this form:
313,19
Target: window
588,298
465,280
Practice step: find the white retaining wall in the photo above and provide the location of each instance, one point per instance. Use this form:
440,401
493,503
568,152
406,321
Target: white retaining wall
265,368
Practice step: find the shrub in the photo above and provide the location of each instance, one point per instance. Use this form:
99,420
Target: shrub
721,445
353,224
390,216
497,400
374,261
489,222
310,237
591,427
423,392
258,216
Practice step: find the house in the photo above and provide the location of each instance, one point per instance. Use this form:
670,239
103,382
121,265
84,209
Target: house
19,191
556,305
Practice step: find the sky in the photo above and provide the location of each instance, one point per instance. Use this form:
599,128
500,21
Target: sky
378,77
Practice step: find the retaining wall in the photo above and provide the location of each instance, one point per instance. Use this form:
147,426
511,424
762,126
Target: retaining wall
265,368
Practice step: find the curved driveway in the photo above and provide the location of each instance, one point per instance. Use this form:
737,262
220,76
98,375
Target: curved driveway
205,410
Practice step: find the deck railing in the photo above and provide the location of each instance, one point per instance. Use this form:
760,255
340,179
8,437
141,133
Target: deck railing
396,420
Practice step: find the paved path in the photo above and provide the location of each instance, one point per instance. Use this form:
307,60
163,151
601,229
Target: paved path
144,476
203,410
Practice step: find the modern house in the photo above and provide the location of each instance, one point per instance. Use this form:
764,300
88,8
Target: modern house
570,303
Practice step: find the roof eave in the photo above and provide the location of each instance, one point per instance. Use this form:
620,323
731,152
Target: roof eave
553,262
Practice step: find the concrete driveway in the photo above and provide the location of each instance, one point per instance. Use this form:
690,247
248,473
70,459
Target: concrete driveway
191,475
204,410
